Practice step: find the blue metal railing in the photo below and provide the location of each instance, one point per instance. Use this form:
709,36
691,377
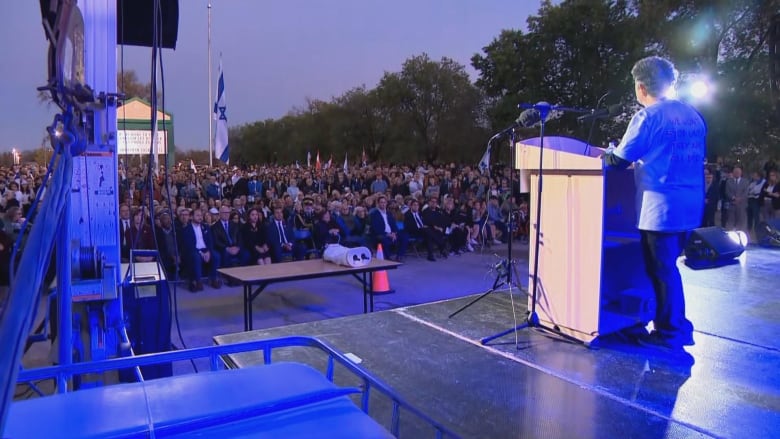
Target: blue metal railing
215,354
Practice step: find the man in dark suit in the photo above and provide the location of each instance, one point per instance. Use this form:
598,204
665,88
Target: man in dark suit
124,231
227,240
166,244
414,225
384,230
737,194
711,197
197,250
438,223
281,238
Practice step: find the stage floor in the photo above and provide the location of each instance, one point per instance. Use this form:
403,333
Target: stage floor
538,386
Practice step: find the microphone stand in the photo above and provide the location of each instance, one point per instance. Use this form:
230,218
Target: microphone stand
533,318
506,267
593,123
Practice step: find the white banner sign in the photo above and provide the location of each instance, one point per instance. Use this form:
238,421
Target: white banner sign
140,142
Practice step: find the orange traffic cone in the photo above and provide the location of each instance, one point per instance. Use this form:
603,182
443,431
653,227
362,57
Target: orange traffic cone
379,282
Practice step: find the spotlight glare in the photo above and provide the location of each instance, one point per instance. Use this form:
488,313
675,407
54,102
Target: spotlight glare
671,93
699,89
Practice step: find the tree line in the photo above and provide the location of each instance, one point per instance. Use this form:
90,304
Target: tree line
573,53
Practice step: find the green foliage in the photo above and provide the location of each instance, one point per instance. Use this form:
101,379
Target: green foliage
427,110
435,102
578,49
727,41
127,82
571,54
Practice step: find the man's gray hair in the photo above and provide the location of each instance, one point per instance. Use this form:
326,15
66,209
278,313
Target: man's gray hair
655,73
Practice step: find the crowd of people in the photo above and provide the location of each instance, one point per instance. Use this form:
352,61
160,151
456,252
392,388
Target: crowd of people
208,218
740,200
205,217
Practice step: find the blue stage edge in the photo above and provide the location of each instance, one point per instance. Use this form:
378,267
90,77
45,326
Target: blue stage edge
274,400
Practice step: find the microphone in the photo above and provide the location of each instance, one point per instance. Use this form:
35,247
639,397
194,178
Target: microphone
602,113
526,119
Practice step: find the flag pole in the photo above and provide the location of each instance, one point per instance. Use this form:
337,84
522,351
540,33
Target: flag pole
210,105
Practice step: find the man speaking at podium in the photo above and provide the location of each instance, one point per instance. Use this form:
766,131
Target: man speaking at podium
666,143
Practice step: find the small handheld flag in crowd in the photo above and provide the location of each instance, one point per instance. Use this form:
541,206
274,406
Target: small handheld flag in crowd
484,164
346,164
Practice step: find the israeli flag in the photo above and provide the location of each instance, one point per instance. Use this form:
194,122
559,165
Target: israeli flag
484,164
221,147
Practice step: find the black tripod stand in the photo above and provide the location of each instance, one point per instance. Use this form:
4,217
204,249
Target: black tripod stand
532,321
505,268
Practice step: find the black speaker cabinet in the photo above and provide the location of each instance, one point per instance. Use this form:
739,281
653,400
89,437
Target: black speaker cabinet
135,24
711,247
768,233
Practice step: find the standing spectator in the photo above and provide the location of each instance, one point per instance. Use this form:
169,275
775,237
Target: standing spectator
711,196
754,204
737,194
723,176
770,196
769,166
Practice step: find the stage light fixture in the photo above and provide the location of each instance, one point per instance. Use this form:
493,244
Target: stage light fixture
694,88
699,89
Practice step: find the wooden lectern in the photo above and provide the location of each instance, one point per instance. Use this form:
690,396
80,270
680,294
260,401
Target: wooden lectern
591,271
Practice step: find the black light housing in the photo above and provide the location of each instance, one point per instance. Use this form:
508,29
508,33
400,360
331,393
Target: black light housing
134,24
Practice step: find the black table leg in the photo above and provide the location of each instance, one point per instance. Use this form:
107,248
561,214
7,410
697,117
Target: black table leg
365,293
249,311
247,305
371,290
250,299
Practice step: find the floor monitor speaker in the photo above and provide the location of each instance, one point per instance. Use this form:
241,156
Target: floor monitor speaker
711,247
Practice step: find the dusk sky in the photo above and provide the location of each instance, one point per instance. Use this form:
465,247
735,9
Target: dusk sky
276,54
